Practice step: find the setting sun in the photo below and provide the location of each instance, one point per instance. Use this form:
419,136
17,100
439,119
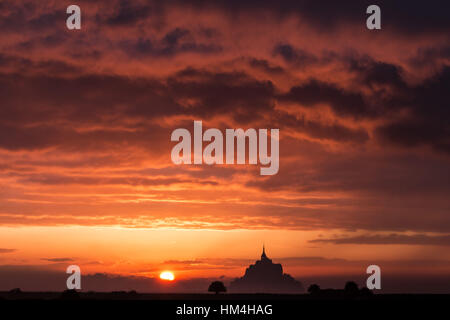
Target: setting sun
167,275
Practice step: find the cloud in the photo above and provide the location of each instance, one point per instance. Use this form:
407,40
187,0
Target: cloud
58,259
413,19
343,102
215,93
297,57
398,239
364,138
177,41
88,180
320,130
5,250
127,13
86,118
430,56
375,74
265,65
425,125
184,262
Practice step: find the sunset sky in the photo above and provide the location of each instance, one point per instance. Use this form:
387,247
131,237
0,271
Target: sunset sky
86,116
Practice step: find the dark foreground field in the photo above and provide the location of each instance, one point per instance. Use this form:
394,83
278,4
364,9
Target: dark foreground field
131,305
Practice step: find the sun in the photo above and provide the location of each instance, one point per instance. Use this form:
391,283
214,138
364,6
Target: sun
167,275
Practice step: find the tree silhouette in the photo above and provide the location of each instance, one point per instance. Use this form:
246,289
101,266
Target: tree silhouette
217,286
314,289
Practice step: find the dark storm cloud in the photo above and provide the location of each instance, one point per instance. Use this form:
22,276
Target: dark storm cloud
418,239
13,138
386,94
370,72
409,17
59,98
173,37
426,103
343,102
49,111
16,64
176,41
14,16
128,13
426,56
297,57
428,120
352,172
47,20
27,15
233,93
98,99
91,98
68,138
265,65
416,132
319,130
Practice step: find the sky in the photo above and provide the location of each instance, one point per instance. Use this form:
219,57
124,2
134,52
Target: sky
86,117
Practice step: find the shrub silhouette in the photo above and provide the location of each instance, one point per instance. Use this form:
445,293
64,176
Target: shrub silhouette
15,291
314,289
217,286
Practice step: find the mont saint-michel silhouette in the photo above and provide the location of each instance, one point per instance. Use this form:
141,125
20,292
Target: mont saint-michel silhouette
266,277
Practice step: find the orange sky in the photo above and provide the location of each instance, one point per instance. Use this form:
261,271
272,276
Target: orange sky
85,171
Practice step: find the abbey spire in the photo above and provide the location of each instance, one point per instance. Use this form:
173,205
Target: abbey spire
263,255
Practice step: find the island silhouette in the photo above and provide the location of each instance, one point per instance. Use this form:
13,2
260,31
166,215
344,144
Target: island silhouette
266,277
